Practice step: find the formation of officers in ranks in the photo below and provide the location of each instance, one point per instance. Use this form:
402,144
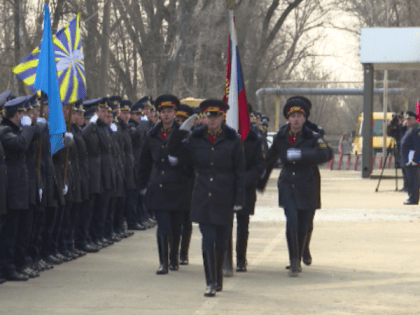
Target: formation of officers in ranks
131,166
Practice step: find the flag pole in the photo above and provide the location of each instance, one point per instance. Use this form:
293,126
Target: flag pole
66,149
39,142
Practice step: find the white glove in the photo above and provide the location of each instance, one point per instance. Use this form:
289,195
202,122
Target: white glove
237,208
41,120
113,127
411,155
68,135
65,190
294,154
143,191
173,160
187,125
25,121
94,119
40,194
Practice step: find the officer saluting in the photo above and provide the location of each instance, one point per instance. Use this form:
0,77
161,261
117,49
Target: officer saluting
15,140
215,152
299,149
165,182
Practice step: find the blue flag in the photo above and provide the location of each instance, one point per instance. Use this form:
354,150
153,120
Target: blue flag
46,80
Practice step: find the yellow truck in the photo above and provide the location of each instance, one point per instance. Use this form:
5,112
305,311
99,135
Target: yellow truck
377,133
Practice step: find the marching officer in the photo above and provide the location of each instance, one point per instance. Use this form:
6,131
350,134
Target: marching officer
215,152
163,183
409,157
299,149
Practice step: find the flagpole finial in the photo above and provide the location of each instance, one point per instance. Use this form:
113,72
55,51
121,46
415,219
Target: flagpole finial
230,4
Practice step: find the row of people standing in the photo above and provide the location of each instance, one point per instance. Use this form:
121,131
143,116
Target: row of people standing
55,208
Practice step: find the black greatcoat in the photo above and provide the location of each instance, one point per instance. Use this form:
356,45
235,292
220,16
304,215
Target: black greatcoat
137,135
118,162
94,157
127,146
82,161
166,184
108,181
16,141
219,168
254,168
298,179
3,176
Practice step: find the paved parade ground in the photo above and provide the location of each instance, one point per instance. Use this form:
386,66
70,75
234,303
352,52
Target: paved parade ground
366,260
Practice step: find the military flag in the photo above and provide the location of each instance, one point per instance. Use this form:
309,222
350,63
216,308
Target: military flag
46,81
68,56
237,116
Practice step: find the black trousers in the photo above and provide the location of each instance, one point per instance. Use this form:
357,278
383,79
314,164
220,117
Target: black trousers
169,223
412,176
36,236
132,207
48,243
81,233
298,223
109,219
64,234
214,237
97,224
120,210
12,247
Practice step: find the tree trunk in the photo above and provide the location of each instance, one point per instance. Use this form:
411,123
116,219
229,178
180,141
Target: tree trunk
16,59
104,66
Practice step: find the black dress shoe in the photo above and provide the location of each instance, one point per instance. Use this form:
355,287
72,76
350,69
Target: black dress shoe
53,260
90,249
137,227
79,252
29,272
183,259
46,265
69,254
408,202
62,257
241,266
16,276
129,233
107,242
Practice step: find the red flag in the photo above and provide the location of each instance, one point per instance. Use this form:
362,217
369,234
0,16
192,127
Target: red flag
237,116
418,111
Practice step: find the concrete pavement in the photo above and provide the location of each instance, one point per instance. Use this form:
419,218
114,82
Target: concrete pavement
365,250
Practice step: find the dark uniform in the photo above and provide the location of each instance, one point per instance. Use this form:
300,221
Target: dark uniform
219,186
165,183
135,207
298,183
408,142
15,141
108,180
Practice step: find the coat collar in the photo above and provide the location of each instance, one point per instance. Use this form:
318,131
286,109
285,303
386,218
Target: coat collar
9,123
306,132
227,133
155,130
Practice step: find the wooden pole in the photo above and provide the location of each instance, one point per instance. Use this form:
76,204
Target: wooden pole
66,149
39,143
